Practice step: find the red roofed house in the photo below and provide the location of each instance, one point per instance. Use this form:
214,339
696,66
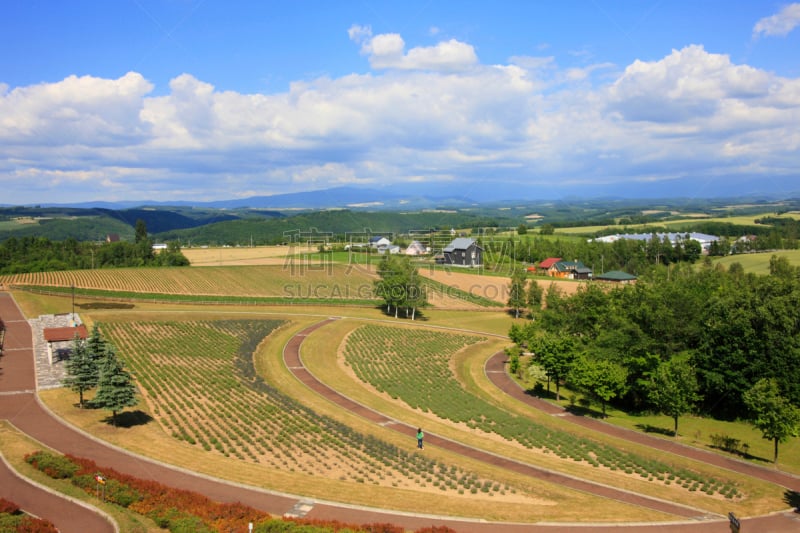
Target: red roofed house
548,266
65,334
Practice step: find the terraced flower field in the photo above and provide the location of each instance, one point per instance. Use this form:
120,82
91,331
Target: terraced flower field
199,381
415,367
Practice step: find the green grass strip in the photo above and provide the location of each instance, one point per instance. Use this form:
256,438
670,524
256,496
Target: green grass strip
454,292
196,299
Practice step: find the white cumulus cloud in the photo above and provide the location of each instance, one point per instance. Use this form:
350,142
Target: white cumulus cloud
77,110
687,84
425,114
780,24
387,51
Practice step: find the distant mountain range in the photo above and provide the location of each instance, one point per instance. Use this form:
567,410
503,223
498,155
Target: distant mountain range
456,195
337,197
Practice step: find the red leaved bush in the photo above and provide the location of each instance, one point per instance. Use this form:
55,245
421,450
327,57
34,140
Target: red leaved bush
170,506
160,501
24,523
335,525
8,507
29,524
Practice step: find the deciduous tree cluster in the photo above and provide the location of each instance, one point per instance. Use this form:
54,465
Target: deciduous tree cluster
682,339
400,286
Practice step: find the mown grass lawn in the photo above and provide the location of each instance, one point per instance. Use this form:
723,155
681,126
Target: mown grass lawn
758,263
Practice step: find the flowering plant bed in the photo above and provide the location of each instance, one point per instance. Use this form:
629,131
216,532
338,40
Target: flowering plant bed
182,510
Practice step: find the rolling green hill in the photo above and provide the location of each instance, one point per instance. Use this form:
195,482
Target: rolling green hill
216,226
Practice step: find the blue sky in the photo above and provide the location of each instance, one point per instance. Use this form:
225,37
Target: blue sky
208,100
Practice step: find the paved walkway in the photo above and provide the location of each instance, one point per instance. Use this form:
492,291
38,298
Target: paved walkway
495,371
20,405
17,392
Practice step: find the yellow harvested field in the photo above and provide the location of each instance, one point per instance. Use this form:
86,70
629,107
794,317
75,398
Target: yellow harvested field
261,255
490,287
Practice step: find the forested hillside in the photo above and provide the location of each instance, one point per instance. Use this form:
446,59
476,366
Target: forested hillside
246,226
340,223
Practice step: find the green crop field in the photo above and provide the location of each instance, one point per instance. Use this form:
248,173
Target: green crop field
414,366
199,380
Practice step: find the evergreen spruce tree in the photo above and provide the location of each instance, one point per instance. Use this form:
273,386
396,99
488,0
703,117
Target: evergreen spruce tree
115,388
82,370
96,345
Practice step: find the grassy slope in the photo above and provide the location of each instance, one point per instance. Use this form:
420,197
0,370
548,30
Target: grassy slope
758,263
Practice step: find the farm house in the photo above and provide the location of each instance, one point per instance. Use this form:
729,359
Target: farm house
463,252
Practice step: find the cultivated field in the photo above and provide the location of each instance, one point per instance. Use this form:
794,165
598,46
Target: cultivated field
290,282
282,281
262,255
200,384
223,402
224,420
492,287
678,224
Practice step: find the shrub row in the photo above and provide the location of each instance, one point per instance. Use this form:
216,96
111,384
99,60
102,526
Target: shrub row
181,510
